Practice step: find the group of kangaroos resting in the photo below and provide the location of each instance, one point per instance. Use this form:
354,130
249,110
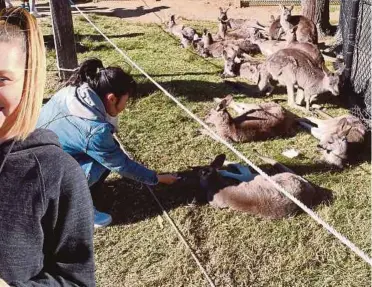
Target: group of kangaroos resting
293,59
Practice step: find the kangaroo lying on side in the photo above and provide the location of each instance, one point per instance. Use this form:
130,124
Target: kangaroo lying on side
258,196
260,122
335,136
292,66
306,29
210,48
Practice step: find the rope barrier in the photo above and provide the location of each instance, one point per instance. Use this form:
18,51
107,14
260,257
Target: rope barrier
311,213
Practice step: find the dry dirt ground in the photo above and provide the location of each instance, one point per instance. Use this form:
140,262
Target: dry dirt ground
149,11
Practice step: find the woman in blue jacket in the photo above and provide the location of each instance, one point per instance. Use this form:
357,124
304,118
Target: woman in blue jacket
82,115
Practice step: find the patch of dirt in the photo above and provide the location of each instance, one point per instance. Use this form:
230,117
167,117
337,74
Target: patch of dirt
150,11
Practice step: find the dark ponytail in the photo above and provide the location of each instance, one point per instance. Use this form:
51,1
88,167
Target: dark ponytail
103,80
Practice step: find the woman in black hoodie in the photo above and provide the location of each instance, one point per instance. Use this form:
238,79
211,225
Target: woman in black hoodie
46,212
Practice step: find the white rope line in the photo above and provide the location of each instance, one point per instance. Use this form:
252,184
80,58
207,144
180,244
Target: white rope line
170,220
182,238
311,213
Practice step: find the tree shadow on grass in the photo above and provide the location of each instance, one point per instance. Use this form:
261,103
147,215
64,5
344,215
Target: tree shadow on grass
129,13
49,41
196,90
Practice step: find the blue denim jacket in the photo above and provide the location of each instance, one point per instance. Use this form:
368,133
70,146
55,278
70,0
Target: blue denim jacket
78,117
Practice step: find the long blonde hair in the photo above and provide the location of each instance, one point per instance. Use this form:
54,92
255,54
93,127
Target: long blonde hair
18,24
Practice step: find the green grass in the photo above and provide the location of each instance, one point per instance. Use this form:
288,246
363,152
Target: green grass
141,249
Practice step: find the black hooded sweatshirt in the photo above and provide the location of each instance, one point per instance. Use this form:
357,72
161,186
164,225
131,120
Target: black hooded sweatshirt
46,215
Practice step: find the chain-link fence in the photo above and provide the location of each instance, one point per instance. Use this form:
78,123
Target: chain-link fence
358,82
247,3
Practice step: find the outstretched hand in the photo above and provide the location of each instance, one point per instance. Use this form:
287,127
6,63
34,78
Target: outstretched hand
167,178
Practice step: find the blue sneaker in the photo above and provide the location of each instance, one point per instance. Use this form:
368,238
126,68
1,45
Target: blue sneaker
101,219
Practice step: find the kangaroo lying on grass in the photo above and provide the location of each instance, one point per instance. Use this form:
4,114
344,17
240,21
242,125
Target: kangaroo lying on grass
292,66
306,32
336,136
210,48
258,122
257,196
187,35
236,65
241,28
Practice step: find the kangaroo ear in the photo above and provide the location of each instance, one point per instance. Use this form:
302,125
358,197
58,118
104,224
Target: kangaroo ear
224,53
281,7
218,161
227,10
222,105
229,99
343,128
342,134
221,10
290,8
272,18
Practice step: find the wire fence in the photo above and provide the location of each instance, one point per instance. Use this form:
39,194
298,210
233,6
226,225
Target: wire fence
358,87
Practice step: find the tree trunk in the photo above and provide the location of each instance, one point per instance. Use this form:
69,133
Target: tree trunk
318,12
63,31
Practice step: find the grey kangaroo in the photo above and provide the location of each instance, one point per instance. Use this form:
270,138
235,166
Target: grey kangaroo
236,65
260,122
187,35
258,196
210,48
306,32
335,136
292,66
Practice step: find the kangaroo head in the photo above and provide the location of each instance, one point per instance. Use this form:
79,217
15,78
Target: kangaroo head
208,175
232,61
223,15
286,13
334,146
172,21
331,82
219,114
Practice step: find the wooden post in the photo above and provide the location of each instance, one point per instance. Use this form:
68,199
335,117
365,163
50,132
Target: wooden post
64,40
2,4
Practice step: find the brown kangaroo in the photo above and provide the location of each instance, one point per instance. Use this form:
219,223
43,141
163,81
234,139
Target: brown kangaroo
306,31
258,196
259,122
